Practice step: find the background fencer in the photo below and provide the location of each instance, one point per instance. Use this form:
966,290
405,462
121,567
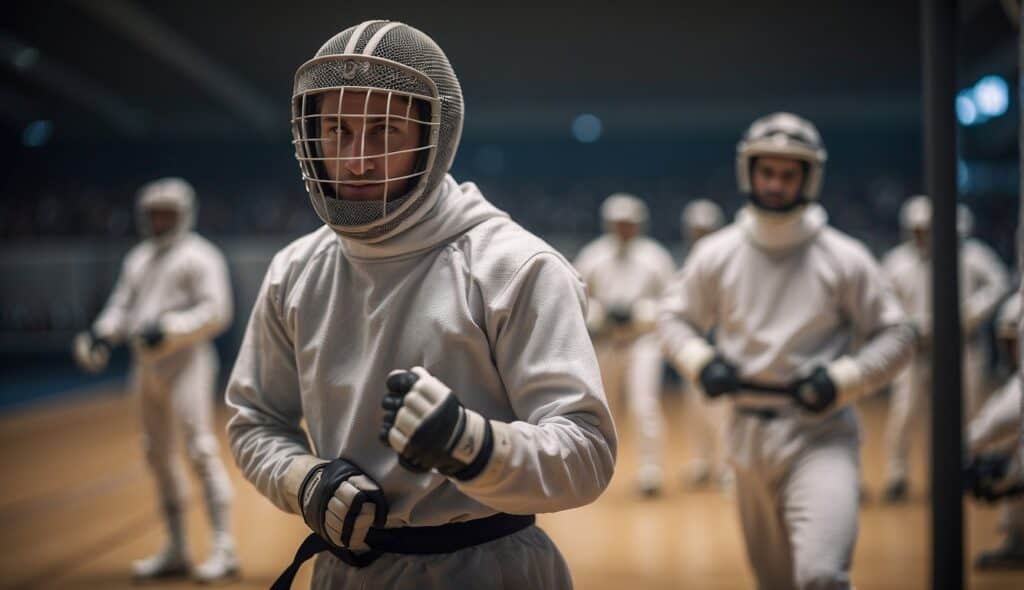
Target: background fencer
172,298
700,218
994,439
437,351
625,273
804,326
983,284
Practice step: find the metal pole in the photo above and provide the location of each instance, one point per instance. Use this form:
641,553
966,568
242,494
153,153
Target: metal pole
938,53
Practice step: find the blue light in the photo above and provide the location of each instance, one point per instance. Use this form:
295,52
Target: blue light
991,96
966,112
37,133
586,128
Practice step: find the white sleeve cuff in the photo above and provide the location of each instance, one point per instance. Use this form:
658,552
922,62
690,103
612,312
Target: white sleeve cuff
848,379
693,357
645,313
595,316
296,473
501,455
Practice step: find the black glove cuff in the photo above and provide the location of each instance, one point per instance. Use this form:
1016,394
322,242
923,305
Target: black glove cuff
332,475
483,457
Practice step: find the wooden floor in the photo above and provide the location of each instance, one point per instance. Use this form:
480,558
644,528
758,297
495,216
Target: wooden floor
77,505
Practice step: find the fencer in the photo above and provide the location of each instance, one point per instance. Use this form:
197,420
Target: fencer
701,217
625,273
172,298
983,282
995,435
804,325
436,352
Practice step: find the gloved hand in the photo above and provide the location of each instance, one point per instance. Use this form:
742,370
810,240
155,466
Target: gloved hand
620,315
91,352
429,428
991,477
815,392
340,503
151,336
719,377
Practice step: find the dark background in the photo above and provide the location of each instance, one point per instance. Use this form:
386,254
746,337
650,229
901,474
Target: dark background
97,97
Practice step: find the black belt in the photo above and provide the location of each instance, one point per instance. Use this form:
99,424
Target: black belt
760,413
426,540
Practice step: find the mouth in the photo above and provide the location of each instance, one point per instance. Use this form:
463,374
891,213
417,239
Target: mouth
360,190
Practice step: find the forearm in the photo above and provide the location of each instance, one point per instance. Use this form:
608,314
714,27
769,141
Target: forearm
875,365
273,458
564,462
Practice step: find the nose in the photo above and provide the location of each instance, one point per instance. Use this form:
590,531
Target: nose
357,163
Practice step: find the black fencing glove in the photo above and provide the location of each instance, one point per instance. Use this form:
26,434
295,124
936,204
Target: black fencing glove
340,503
719,377
430,429
989,477
815,392
152,335
620,315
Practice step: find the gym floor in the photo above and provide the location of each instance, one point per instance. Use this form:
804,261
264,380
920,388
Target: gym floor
78,506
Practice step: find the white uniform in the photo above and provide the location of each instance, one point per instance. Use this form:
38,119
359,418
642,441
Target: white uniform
997,428
630,275
786,293
984,282
483,305
179,284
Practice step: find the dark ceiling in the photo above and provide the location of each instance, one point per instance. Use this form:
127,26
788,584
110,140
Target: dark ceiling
161,70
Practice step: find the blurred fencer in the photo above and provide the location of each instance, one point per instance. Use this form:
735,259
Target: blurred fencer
994,441
436,351
983,284
701,217
625,273
172,298
804,325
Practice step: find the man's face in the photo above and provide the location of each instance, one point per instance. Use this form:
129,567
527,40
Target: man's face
162,221
777,181
376,147
922,239
625,230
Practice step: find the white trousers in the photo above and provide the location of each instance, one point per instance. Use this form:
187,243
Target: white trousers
797,482
632,369
179,404
909,391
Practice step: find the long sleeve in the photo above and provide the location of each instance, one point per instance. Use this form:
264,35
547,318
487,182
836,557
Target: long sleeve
998,420
992,280
687,312
879,322
112,322
560,453
212,311
267,440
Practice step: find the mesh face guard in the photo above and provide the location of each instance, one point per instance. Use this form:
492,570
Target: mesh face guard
376,120
783,135
175,194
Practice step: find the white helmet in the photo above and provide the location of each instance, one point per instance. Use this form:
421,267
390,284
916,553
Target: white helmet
172,193
783,135
702,215
964,221
916,213
624,207
389,59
